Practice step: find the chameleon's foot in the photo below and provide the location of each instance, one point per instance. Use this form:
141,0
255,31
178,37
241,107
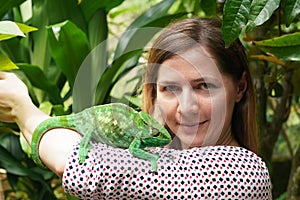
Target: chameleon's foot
153,162
82,155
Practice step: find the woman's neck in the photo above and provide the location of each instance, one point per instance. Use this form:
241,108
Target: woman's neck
227,139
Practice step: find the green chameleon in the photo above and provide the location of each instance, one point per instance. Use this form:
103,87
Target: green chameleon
114,124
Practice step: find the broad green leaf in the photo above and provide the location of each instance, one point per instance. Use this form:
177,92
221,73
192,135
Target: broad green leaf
260,12
131,44
10,142
68,47
153,14
89,7
126,87
209,7
9,30
288,53
52,12
70,197
6,5
286,46
25,146
6,63
291,10
13,165
235,17
39,80
59,11
39,51
25,28
108,78
84,89
292,39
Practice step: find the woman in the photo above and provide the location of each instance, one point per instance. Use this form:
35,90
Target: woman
176,47
203,94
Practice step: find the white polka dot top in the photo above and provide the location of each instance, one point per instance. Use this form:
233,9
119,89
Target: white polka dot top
214,172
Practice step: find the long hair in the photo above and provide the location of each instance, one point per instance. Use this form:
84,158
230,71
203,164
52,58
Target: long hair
180,37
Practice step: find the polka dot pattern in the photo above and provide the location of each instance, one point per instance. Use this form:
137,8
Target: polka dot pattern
214,172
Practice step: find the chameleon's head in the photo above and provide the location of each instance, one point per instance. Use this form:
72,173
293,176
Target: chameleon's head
158,134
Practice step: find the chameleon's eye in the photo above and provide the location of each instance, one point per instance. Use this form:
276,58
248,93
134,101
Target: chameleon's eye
154,132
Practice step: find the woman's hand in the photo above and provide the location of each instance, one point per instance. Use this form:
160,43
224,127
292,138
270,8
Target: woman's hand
16,106
13,94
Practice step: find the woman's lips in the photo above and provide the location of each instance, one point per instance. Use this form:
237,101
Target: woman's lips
191,128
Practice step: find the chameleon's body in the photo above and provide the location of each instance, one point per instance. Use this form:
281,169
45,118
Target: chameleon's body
114,124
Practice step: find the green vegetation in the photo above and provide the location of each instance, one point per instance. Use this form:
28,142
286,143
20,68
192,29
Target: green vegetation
75,54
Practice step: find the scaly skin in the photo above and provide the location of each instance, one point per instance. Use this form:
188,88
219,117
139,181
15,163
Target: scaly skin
114,124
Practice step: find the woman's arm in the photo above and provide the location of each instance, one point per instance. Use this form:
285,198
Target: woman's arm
17,106
212,172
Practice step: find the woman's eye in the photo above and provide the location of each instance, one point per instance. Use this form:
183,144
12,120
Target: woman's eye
171,88
206,86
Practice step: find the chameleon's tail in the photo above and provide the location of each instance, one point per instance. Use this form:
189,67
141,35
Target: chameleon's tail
42,128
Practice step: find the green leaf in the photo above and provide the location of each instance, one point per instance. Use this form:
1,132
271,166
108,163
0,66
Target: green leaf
260,12
57,12
95,63
51,12
25,28
209,7
39,80
39,51
131,45
11,142
6,5
286,46
291,10
89,7
70,197
155,13
13,165
6,63
235,17
9,30
108,78
292,39
68,47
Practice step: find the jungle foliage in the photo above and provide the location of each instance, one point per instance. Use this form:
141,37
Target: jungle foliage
63,51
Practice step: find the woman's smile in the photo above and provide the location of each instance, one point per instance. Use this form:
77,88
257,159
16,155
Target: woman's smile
191,127
196,99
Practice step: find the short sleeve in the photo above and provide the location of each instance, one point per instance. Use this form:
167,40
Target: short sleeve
214,172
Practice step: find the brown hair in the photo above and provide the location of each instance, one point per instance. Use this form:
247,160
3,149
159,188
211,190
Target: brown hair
182,36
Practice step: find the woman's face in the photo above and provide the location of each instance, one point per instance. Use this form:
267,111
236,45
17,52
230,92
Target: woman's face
195,99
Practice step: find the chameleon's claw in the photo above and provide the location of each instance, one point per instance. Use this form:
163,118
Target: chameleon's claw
82,155
153,162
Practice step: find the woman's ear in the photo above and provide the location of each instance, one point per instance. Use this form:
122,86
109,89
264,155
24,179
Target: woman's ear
241,87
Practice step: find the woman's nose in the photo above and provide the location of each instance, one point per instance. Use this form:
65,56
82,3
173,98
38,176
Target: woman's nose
188,102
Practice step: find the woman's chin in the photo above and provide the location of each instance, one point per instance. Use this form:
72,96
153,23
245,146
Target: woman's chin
191,143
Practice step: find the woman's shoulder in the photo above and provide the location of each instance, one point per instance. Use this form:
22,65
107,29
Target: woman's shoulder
218,152
230,157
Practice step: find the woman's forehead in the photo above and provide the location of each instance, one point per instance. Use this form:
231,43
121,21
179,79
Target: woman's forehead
190,65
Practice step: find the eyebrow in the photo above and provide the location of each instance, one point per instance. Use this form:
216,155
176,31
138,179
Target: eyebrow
202,79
